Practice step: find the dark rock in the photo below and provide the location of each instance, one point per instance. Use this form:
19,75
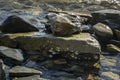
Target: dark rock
108,16
113,48
15,24
12,54
103,31
21,71
2,73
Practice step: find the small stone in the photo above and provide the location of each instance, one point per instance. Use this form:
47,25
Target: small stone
113,48
60,61
21,71
111,75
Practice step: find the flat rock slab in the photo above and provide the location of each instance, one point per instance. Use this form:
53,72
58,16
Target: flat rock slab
21,71
14,54
81,43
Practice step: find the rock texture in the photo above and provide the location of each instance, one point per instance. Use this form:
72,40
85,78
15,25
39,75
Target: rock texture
2,73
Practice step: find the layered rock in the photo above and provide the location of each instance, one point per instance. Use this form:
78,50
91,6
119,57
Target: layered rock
15,24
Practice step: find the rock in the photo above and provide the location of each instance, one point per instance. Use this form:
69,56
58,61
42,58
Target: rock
61,26
108,16
110,76
113,48
103,31
21,71
114,42
15,55
117,32
15,24
2,73
7,41
35,77
83,46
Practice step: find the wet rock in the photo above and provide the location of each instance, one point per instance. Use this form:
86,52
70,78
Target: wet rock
35,77
113,48
61,26
12,54
108,16
103,31
15,24
21,71
2,73
110,75
117,32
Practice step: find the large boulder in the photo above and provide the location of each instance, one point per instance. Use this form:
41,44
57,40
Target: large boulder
21,71
103,31
15,55
15,24
76,47
61,25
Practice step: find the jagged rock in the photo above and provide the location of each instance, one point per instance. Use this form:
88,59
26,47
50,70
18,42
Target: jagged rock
61,26
113,48
103,31
2,73
15,24
108,16
21,71
35,77
12,54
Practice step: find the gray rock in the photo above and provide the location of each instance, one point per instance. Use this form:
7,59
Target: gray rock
14,54
35,77
103,31
21,71
15,24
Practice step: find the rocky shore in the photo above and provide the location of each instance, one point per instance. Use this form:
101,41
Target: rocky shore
59,40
